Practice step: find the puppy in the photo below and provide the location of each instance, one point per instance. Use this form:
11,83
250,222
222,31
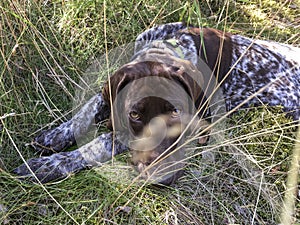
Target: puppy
177,78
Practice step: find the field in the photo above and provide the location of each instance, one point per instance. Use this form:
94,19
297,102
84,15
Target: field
46,50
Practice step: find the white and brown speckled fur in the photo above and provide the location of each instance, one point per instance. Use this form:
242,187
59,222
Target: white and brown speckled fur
267,71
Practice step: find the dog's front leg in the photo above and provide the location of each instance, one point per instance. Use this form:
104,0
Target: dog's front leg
60,165
61,137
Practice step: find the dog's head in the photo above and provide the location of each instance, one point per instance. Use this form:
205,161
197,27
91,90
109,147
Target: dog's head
153,103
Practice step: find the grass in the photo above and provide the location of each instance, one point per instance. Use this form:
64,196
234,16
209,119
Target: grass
46,46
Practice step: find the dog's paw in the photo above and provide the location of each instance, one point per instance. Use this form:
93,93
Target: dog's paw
42,170
52,167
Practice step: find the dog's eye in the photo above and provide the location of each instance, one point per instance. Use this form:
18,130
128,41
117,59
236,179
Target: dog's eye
134,115
176,112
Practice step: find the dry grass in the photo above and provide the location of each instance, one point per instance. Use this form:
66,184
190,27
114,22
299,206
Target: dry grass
45,48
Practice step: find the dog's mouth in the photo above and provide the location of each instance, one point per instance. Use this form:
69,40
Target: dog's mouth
155,153
159,153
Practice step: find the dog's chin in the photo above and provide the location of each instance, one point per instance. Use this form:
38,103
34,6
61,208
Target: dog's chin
163,171
165,176
169,179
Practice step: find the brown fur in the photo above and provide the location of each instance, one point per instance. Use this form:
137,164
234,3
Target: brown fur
216,44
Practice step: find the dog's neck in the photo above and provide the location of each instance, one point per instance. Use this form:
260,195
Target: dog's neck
199,46
165,51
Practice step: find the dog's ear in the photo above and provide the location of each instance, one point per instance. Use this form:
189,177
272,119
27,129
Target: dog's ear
116,83
110,88
191,80
120,79
108,93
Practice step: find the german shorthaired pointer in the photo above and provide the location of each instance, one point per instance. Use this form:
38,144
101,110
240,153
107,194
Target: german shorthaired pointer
152,101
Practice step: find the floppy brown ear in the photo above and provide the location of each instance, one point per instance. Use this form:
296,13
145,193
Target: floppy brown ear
109,93
118,81
193,82
109,90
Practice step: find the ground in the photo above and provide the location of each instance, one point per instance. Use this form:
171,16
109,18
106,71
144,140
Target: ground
46,47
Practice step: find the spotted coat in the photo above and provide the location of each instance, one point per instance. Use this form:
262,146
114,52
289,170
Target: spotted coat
261,71
251,72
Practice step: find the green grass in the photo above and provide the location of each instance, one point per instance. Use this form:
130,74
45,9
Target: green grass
46,46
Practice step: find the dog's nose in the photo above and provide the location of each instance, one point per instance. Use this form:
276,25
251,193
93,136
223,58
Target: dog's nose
152,136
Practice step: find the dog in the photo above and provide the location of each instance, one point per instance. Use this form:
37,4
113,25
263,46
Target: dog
166,93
